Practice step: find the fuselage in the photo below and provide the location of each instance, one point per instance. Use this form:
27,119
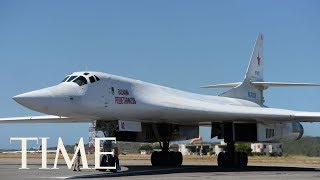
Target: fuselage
104,96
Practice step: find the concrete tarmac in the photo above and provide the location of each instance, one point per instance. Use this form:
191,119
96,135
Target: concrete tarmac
141,169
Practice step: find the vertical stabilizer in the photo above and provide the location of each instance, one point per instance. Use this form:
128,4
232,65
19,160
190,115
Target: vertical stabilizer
254,72
255,67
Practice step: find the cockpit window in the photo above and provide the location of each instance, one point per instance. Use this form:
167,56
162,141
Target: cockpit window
98,79
81,81
71,78
65,79
92,80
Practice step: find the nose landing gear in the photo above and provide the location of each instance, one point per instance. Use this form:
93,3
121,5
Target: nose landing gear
110,161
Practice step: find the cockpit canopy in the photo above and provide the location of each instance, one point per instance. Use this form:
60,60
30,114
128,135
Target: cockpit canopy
81,79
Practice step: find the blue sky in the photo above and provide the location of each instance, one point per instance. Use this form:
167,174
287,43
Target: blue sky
181,44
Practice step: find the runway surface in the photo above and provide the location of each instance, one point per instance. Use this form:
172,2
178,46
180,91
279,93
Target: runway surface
141,169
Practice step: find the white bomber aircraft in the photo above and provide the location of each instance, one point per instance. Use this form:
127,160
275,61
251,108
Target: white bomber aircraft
133,110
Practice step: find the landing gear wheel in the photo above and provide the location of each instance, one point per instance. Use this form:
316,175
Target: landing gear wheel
179,158
172,158
165,158
243,159
104,162
221,159
155,158
107,161
231,160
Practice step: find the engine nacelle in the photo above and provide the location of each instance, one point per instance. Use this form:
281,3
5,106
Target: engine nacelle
279,132
257,132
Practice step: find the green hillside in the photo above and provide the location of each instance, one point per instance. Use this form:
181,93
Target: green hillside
308,146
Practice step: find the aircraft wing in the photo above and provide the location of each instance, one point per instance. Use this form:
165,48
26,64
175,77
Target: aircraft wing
201,112
227,85
43,119
307,116
196,113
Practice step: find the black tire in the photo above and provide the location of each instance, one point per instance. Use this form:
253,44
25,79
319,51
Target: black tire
179,158
172,160
229,159
221,159
108,160
103,163
155,158
164,158
244,159
238,160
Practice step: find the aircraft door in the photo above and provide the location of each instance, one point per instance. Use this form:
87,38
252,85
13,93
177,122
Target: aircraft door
109,94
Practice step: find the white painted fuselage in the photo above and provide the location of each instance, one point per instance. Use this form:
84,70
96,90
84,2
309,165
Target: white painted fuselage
114,97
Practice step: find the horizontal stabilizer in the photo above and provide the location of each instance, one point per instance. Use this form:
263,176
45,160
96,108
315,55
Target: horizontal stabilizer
265,85
228,85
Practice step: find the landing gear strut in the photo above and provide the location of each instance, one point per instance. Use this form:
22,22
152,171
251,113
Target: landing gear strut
166,157
230,158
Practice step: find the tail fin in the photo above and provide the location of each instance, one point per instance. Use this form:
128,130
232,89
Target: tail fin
255,67
251,88
246,90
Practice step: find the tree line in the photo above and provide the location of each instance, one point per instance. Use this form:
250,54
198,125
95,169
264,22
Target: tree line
308,146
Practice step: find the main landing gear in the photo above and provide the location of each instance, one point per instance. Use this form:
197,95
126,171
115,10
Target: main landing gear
230,158
166,157
110,161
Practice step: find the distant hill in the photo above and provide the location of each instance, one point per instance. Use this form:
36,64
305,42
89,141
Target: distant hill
308,146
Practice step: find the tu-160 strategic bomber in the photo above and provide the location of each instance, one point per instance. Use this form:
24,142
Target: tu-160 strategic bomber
136,111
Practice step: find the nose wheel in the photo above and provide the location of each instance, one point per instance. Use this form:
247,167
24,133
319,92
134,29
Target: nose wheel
110,161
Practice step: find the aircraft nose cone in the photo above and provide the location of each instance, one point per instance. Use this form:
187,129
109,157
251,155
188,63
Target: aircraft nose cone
34,99
56,100
19,98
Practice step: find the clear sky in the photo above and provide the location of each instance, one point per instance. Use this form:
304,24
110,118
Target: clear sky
181,44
